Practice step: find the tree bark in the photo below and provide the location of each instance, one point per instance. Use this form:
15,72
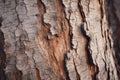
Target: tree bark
59,40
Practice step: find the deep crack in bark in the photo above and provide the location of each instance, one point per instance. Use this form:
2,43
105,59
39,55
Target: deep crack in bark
2,53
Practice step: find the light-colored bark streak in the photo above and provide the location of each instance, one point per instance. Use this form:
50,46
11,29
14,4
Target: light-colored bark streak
98,43
19,42
8,28
78,40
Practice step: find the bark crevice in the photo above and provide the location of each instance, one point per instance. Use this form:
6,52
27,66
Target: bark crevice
93,68
2,53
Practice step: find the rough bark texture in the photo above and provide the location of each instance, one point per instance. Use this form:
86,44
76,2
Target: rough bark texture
59,40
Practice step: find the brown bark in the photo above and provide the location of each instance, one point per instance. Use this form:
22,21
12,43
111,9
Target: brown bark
59,40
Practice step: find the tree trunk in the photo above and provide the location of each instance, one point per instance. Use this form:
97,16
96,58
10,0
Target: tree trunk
59,40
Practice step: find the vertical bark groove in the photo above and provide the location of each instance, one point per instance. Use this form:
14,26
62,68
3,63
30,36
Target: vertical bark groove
90,62
2,53
114,19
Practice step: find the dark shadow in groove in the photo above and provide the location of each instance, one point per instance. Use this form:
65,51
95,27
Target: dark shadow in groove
114,23
88,54
108,78
65,68
2,53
